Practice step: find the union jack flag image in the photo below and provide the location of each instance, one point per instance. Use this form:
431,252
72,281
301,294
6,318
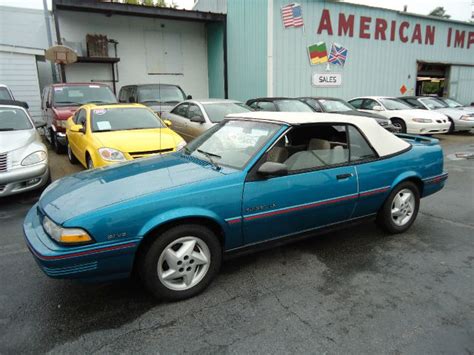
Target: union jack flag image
338,54
292,15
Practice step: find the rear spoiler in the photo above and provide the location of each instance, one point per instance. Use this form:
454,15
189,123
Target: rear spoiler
418,139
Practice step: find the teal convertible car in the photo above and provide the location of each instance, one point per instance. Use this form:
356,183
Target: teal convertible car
253,179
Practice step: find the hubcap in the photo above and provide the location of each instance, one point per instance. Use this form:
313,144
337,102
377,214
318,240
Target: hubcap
403,207
184,263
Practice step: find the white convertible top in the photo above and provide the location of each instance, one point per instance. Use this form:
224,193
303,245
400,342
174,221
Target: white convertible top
384,142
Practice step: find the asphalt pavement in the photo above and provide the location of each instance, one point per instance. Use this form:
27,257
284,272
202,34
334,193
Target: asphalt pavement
353,291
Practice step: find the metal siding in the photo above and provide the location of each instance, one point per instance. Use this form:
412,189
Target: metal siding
461,84
215,6
19,73
247,48
215,59
373,67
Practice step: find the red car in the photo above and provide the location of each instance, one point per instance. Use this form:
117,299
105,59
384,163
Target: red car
60,101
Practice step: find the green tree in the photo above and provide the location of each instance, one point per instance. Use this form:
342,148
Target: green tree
439,12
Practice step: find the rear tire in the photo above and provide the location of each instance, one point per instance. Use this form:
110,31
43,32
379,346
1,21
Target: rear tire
400,209
400,124
181,262
70,155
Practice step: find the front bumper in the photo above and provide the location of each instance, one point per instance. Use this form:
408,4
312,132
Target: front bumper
23,179
427,128
464,125
93,262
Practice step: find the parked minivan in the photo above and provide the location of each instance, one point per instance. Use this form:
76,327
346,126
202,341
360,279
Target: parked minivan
159,97
60,101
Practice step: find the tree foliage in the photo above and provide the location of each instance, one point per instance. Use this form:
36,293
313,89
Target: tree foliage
439,12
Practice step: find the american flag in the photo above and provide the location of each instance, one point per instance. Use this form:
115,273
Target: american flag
292,15
338,54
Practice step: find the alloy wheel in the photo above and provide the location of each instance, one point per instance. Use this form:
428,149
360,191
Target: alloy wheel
403,207
184,263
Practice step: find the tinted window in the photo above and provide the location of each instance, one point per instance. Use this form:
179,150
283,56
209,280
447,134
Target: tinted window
181,110
414,103
357,103
433,104
124,94
169,94
217,112
5,94
394,104
359,148
194,111
117,119
452,103
335,105
313,103
311,147
82,94
369,104
293,106
265,106
80,117
13,119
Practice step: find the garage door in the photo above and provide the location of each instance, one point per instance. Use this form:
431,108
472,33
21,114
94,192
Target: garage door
461,82
19,72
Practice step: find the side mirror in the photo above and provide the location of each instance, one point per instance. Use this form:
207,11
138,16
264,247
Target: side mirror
131,99
40,124
269,169
168,123
377,108
189,97
77,128
197,119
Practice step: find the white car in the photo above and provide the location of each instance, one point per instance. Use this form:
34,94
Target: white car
191,118
406,118
455,104
460,120
5,93
23,157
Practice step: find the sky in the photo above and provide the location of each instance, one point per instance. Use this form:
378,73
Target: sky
458,9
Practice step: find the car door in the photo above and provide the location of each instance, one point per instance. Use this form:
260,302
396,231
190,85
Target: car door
77,139
319,190
194,129
178,118
369,104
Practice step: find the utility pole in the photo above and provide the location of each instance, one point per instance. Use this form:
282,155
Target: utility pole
50,38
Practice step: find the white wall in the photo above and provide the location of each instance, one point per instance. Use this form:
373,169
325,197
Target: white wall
130,32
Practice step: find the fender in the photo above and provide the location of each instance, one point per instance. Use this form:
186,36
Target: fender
185,212
404,176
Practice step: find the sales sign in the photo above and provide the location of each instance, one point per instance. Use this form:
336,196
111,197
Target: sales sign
326,79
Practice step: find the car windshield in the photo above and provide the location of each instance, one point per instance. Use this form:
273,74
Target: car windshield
292,106
168,94
123,118
394,104
452,103
77,95
232,143
13,119
335,105
433,104
217,111
5,94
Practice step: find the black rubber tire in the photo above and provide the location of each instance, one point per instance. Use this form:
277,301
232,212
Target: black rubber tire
57,147
70,155
89,162
399,122
384,218
149,261
451,126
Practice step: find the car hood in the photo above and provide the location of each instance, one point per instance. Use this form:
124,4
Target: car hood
453,112
91,190
140,140
12,140
64,112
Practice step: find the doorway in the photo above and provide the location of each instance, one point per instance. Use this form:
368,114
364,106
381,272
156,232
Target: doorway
432,79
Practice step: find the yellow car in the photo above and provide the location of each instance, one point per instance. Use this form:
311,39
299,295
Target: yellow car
100,135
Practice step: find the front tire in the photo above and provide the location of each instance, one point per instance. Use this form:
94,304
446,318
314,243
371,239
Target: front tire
400,124
70,155
181,262
400,208
451,126
89,162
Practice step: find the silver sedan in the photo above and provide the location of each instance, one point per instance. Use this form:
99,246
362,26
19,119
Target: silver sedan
191,118
23,157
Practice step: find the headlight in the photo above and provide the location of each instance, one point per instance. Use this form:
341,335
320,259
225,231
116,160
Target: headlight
65,235
466,118
34,158
111,154
422,120
181,145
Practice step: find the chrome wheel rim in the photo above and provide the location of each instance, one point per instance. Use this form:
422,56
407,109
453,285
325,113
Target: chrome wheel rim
403,207
183,263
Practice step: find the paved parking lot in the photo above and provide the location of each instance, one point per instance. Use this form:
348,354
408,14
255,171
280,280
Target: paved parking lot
353,291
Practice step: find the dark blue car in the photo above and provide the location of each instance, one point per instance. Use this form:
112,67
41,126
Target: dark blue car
253,179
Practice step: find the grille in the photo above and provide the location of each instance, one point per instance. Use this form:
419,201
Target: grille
3,162
149,152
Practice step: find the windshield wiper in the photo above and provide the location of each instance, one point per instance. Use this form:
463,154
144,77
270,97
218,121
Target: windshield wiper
209,156
157,101
7,129
95,102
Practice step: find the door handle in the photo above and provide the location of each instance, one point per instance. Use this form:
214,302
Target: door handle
344,176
